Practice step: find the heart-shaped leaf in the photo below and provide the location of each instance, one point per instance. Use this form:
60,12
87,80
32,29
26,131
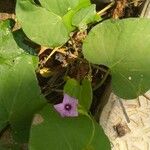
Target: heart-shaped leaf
82,92
123,46
42,26
50,131
20,95
85,16
51,23
70,14
54,6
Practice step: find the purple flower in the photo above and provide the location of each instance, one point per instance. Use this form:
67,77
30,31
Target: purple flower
68,108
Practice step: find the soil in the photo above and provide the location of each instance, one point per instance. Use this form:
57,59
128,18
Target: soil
7,6
7,9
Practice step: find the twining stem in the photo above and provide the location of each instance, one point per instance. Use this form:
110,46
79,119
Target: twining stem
106,8
99,68
42,50
93,131
60,50
63,52
145,9
138,101
124,110
148,98
90,72
102,81
49,56
81,110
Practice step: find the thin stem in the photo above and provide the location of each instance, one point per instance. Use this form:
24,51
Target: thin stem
145,9
57,90
138,101
60,50
53,90
148,98
82,111
49,56
124,110
63,52
102,81
99,68
42,50
106,8
90,72
93,131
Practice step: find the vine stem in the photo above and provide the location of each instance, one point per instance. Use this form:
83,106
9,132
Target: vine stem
42,50
148,98
99,68
102,81
60,50
82,111
93,131
63,52
106,8
49,56
124,110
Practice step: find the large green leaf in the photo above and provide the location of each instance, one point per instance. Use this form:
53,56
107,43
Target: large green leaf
100,140
82,92
40,25
59,7
50,131
123,46
20,95
50,23
67,18
85,16
23,42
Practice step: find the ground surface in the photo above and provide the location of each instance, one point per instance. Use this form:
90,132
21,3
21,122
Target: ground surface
132,135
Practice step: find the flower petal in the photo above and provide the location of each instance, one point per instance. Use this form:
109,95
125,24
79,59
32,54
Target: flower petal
68,98
70,101
60,108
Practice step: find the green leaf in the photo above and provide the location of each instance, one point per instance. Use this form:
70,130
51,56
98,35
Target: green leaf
100,140
3,147
12,49
67,18
123,46
51,23
82,92
72,87
20,95
86,94
40,25
3,118
50,131
22,42
85,16
59,7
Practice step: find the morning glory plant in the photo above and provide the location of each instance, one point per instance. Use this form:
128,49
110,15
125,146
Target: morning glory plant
53,26
68,108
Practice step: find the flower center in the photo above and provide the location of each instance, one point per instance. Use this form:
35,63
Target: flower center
68,107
